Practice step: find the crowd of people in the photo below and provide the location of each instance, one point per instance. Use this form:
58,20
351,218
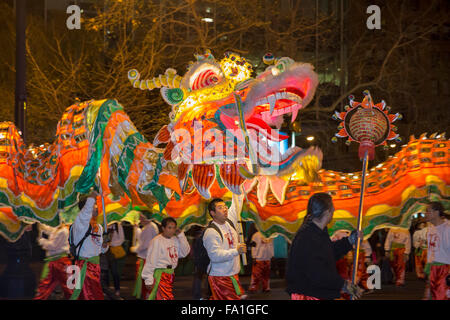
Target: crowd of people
318,266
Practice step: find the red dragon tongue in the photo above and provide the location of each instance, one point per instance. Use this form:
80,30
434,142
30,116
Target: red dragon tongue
261,126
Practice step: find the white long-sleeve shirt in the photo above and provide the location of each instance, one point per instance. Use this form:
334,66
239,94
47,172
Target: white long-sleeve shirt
117,237
92,246
163,252
400,236
145,235
264,247
420,238
223,255
439,243
57,242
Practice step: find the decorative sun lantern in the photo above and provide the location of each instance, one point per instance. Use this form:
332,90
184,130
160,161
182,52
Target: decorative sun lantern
368,124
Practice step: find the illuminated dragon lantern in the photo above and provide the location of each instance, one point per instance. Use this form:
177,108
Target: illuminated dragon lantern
223,122
222,140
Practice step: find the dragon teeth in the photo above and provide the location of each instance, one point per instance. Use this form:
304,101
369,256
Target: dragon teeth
272,100
294,114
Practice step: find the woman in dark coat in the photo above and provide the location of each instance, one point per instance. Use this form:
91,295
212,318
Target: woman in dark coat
311,272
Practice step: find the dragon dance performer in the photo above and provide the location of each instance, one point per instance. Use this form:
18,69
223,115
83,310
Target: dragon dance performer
343,264
262,253
438,266
54,241
312,273
364,260
220,240
86,236
420,249
144,236
163,253
398,248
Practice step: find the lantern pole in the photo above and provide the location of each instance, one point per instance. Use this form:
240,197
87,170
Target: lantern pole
359,224
370,125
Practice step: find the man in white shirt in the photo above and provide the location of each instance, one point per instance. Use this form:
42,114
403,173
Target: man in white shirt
89,251
163,253
223,251
143,236
420,252
54,241
398,248
262,253
438,266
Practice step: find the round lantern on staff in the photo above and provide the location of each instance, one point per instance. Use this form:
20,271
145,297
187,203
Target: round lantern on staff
368,124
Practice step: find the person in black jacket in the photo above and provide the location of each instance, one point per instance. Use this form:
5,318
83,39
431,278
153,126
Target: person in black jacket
311,272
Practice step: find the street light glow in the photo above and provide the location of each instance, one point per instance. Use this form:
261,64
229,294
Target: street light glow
207,19
393,145
310,138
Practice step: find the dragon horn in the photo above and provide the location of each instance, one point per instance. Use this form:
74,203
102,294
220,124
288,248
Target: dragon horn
170,79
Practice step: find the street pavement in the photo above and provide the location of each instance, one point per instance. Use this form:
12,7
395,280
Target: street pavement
413,289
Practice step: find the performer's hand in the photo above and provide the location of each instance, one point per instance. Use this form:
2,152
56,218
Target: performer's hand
406,257
149,287
93,194
177,232
354,236
242,248
353,290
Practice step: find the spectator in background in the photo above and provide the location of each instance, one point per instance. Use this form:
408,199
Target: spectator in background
115,254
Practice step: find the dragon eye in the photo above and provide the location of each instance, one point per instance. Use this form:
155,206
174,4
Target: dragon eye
204,79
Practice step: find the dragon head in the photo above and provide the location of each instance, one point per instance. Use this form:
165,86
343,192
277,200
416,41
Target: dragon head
221,115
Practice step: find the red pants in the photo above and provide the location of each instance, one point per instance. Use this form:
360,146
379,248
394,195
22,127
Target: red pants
343,268
165,287
298,296
260,273
361,273
438,285
56,275
421,261
399,266
222,288
144,291
92,289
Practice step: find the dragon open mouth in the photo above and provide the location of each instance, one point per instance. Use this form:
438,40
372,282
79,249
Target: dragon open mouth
272,98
